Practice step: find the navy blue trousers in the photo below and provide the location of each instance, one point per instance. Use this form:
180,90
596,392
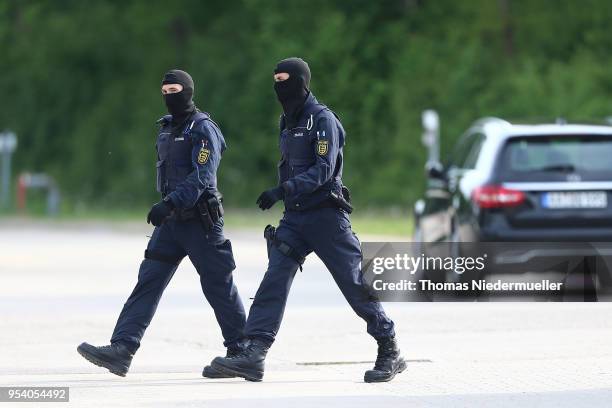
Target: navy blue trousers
211,255
326,232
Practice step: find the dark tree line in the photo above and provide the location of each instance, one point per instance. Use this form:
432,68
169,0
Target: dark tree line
80,81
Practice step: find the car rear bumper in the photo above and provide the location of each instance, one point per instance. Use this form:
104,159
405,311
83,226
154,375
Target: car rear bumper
497,234
547,249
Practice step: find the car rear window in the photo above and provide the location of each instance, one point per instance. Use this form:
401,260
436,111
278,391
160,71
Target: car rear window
557,158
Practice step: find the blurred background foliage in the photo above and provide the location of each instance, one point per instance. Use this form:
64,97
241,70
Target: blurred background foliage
81,80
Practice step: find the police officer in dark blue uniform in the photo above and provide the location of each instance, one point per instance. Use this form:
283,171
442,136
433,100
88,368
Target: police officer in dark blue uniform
188,222
315,220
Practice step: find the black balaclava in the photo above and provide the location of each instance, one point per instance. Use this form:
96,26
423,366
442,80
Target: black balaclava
292,92
180,105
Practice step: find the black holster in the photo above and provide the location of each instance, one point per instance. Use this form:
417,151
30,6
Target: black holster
342,201
283,247
210,209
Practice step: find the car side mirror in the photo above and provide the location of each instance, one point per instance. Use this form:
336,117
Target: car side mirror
435,170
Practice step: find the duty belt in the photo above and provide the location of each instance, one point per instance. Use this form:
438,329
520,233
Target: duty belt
333,200
185,215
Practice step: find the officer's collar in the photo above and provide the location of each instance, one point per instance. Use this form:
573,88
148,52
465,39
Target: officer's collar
164,119
309,102
196,115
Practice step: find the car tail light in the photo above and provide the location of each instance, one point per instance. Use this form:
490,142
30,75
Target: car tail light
497,197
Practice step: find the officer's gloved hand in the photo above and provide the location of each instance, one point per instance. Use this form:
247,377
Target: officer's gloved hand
159,212
267,199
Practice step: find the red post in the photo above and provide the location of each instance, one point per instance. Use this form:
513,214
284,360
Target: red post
22,192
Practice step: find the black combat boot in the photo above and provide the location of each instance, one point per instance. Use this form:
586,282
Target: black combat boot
388,362
115,357
248,364
210,372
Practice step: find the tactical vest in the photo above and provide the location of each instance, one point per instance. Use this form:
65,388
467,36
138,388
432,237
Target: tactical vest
174,151
297,155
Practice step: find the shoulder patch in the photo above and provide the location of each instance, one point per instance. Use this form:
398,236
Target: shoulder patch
322,147
203,155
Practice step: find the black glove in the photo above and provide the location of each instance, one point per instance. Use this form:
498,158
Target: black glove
267,199
159,212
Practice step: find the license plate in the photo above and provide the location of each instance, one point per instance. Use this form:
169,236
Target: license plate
571,199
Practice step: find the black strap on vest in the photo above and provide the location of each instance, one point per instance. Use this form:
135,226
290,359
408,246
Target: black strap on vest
157,256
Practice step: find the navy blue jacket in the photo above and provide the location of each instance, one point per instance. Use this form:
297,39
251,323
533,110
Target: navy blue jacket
311,156
188,158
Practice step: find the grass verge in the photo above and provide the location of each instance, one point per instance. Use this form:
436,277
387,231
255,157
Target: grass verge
371,222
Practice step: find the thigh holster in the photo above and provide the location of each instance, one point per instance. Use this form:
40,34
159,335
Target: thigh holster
283,247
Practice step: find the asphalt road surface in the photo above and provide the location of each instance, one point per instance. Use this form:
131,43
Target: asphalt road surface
63,284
